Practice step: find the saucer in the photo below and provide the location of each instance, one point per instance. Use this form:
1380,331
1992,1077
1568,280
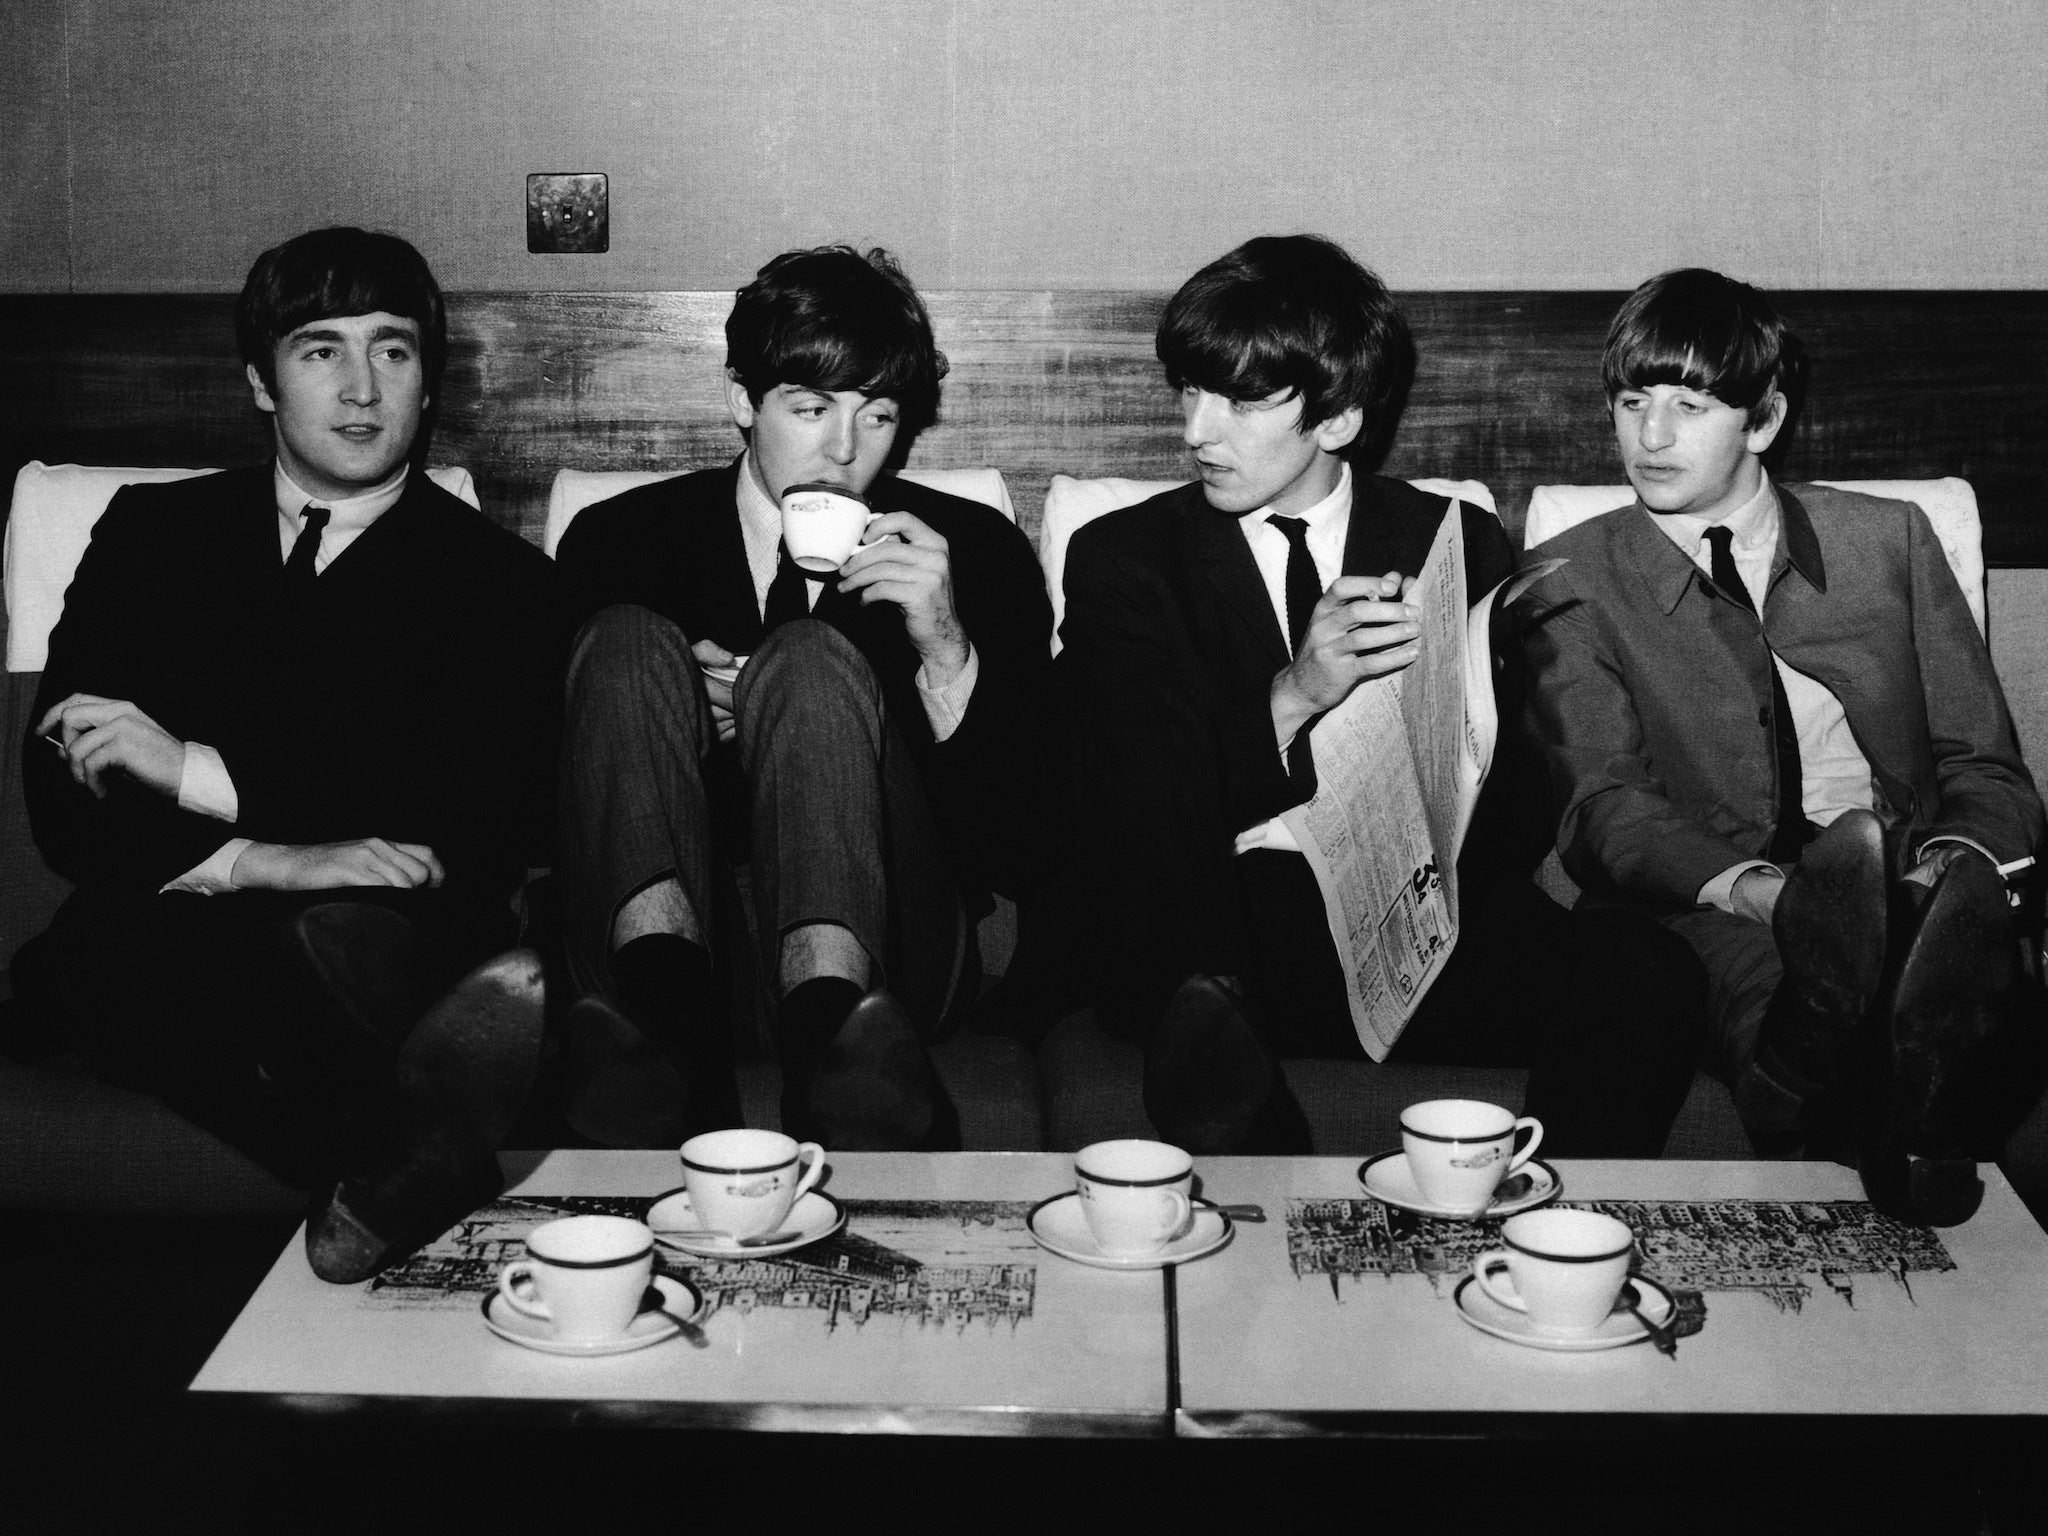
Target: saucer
1387,1178
678,1296
1619,1327
815,1216
1059,1226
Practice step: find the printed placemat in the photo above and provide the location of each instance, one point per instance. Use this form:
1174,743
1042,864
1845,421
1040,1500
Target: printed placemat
935,1262
1778,1248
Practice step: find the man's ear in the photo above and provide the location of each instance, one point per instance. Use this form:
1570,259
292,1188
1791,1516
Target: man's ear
738,401
1764,434
1339,432
257,387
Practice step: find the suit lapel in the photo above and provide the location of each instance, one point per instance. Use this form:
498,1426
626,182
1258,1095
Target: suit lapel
1221,560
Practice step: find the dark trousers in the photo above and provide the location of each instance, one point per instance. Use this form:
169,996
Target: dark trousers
206,1002
816,792
1606,1009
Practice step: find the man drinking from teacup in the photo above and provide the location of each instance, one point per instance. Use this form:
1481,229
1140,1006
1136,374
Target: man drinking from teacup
291,744
859,730
1207,631
1779,732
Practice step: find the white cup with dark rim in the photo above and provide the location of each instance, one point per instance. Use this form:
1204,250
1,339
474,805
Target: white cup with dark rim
1138,1196
1460,1149
1565,1267
743,1182
822,524
584,1275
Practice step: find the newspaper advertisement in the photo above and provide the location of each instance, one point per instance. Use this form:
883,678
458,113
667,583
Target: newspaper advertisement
1398,767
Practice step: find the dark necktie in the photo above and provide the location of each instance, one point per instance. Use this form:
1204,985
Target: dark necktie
1789,836
298,567
1304,590
788,597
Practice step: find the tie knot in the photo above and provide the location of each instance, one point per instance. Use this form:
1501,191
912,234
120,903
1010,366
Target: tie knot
1721,538
314,518
1293,529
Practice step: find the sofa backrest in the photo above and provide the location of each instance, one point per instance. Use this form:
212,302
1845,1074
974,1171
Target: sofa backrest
1071,504
1950,505
50,522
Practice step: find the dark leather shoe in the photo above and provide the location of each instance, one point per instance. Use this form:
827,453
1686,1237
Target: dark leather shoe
621,1089
1830,927
1933,1191
1211,1086
364,963
418,1156
1954,994
875,1088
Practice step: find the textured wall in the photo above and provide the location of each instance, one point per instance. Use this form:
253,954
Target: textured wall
1057,143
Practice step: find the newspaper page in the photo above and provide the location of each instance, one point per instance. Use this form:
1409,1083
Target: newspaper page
1399,765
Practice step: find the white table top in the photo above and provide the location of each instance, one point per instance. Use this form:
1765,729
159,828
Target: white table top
1040,1345
1264,1351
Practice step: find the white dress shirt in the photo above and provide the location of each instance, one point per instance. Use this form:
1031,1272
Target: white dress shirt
1329,524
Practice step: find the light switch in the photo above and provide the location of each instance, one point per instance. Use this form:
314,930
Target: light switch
568,212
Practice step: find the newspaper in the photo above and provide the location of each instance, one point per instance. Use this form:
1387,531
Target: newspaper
1398,767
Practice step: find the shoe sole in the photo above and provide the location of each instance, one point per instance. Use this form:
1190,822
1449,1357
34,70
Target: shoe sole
1951,999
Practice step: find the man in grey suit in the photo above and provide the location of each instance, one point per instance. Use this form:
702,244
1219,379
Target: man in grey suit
1825,800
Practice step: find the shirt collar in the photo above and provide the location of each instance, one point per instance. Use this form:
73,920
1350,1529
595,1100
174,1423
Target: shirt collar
1333,505
1753,526
349,513
759,516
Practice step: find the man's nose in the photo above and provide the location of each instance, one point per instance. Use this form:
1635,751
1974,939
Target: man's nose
843,443
359,382
1198,418
1657,427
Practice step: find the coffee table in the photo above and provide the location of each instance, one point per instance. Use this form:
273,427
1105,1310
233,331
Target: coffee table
1335,1318
934,1312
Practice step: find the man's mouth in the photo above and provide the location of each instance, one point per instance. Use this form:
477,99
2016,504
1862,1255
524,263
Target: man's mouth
360,432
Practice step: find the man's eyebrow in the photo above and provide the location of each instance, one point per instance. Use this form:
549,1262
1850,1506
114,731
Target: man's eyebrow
396,333
311,333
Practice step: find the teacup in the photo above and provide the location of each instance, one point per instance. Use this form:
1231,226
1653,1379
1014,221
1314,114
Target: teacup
1137,1195
584,1274
1567,1268
822,524
1460,1149
744,1182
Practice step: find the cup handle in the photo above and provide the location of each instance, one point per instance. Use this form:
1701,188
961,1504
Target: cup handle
1183,1215
813,1171
1528,1147
1482,1271
509,1279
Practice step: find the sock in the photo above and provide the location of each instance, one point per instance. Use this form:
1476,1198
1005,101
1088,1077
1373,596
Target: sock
665,984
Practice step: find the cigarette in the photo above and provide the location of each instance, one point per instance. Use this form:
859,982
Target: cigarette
56,741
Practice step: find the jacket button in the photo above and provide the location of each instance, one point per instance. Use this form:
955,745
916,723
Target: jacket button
1763,715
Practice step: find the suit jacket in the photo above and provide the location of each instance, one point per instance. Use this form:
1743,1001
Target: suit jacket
1652,697
1170,588
412,696
675,547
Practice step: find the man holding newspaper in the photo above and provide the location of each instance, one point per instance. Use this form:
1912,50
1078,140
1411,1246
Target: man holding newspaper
1288,840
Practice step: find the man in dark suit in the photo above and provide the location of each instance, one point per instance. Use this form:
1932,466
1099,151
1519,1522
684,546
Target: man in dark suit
1206,632
1754,781
872,761
291,736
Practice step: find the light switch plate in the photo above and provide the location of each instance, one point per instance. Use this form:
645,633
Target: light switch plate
568,212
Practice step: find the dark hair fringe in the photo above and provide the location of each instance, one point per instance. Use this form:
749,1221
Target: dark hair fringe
1294,315
833,318
339,271
1700,329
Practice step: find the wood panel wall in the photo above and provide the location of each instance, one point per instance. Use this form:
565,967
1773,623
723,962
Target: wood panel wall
1506,391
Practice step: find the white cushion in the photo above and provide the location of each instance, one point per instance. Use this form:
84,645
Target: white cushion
1950,505
1071,504
51,522
575,489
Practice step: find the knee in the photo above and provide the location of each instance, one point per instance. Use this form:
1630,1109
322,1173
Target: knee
802,665
624,653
